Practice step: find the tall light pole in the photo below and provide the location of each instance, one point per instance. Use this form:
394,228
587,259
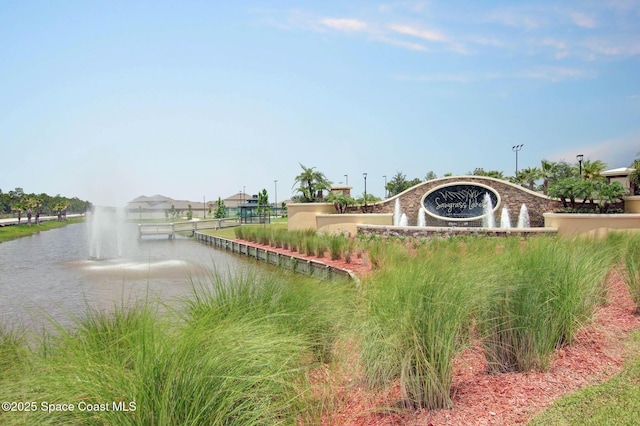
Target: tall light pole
385,186
579,157
275,203
365,189
346,180
516,149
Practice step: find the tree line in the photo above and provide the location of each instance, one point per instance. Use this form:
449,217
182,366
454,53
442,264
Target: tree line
17,203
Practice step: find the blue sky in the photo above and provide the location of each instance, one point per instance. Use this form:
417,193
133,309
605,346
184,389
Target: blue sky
107,101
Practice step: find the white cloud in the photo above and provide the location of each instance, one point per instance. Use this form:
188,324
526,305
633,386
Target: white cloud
582,20
425,34
614,47
344,24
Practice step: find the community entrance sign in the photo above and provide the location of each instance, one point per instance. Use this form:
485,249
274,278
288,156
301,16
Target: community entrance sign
460,201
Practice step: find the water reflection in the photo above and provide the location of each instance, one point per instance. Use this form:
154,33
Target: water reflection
51,274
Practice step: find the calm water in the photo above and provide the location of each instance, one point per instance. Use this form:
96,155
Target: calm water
52,274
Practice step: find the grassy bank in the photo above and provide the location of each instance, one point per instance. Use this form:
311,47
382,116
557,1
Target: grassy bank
252,349
23,230
615,402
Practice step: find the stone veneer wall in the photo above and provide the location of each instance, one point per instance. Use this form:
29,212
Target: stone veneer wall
513,196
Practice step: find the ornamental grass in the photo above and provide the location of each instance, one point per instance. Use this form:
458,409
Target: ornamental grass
539,295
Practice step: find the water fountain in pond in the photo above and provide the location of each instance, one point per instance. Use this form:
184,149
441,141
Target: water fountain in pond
505,222
523,217
422,218
488,220
105,233
404,221
396,213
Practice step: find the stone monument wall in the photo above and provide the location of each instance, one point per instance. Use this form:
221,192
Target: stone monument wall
512,196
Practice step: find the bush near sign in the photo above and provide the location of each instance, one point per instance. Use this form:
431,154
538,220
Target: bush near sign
459,201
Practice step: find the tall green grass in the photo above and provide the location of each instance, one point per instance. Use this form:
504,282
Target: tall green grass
237,352
631,258
542,293
416,320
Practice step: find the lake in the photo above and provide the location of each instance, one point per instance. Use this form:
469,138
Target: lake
55,273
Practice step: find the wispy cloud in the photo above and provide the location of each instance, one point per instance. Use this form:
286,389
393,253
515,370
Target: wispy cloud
516,18
344,24
555,74
425,34
582,20
600,31
552,74
614,152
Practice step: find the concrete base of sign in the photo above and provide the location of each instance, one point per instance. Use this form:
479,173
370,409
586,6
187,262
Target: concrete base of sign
591,224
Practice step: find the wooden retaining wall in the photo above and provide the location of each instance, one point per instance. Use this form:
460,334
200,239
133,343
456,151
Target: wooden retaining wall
300,265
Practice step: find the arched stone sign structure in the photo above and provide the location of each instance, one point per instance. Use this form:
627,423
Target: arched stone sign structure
453,192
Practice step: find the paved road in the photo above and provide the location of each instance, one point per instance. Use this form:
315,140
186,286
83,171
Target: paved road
14,221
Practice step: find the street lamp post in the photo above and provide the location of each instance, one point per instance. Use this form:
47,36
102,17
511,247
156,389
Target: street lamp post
385,186
346,180
579,157
365,189
275,203
516,149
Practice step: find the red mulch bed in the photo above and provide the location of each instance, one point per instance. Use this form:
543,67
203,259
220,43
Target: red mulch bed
480,398
359,266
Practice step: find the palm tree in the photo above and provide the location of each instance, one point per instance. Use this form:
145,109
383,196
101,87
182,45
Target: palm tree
529,176
311,182
547,172
592,170
59,208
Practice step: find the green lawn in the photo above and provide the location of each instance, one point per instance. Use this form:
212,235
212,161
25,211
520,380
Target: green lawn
229,233
12,232
615,402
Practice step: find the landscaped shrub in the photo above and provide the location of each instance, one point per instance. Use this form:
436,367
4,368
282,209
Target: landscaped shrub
632,268
310,245
417,314
336,246
541,294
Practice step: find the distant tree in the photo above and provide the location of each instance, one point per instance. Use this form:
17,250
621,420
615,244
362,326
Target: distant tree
311,183
592,170
340,201
398,184
479,171
430,176
189,212
221,210
569,189
29,204
547,173
370,199
172,213
609,193
263,204
528,177
60,209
